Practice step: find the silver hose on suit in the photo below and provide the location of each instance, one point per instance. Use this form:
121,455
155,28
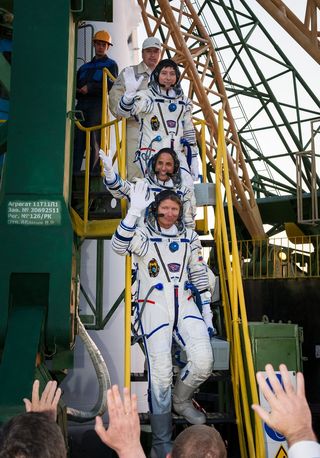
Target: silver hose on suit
103,377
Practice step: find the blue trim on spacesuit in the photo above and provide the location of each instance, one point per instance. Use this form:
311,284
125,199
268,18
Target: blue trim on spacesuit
128,228
193,316
157,329
179,336
110,183
124,239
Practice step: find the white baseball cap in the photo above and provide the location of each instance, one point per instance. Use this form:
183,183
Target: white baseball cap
151,42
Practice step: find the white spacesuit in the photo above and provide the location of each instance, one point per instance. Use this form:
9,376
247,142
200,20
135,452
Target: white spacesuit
165,117
167,258
120,188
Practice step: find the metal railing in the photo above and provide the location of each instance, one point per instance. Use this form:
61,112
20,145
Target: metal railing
83,227
241,361
280,257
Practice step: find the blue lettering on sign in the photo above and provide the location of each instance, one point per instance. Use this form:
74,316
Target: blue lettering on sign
274,435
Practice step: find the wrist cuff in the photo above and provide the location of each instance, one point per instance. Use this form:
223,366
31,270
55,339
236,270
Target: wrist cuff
128,97
110,175
134,212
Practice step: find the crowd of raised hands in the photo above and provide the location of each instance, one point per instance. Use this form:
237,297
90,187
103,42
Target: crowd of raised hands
289,414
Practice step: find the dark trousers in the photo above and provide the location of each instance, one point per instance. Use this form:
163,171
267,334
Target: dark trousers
92,117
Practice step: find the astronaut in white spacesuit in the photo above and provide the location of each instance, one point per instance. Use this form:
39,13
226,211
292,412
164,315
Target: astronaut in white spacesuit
163,173
165,116
167,259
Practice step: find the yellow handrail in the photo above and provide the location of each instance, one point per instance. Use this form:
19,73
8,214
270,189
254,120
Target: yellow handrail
88,131
128,269
105,133
243,377
200,122
104,142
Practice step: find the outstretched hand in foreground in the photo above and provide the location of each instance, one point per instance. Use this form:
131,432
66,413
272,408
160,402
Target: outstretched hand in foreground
123,432
47,402
290,413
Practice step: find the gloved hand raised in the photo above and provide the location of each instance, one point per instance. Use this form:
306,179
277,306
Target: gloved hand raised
107,165
207,312
131,83
106,160
140,198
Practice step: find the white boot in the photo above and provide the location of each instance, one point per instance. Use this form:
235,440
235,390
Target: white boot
182,403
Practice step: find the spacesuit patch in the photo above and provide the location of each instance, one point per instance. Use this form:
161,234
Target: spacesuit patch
153,268
155,124
171,123
174,267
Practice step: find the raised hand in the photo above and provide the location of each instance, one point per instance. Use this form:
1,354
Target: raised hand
48,402
290,413
106,160
132,84
123,432
140,198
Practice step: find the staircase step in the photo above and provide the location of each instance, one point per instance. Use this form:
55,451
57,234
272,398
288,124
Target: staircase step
139,377
216,376
206,397
220,376
212,418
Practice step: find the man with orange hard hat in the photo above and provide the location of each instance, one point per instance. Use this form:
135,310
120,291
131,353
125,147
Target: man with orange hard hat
89,99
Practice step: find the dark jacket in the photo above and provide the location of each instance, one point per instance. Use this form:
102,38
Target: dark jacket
90,74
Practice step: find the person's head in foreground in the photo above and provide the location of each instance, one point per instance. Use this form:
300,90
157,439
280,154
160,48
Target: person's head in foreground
199,441
32,435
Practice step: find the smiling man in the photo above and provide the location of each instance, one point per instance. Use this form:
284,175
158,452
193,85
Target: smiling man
163,173
167,258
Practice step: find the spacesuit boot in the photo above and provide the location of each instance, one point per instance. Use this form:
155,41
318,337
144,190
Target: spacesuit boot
182,403
161,426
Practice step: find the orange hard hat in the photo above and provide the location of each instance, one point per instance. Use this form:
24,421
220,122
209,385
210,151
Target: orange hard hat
103,35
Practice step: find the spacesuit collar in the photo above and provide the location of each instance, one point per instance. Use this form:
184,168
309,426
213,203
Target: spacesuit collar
166,184
169,93
172,231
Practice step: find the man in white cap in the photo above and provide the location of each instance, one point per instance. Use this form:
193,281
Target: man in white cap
140,74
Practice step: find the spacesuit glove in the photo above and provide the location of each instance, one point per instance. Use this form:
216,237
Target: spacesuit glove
195,168
131,83
207,312
107,166
140,198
